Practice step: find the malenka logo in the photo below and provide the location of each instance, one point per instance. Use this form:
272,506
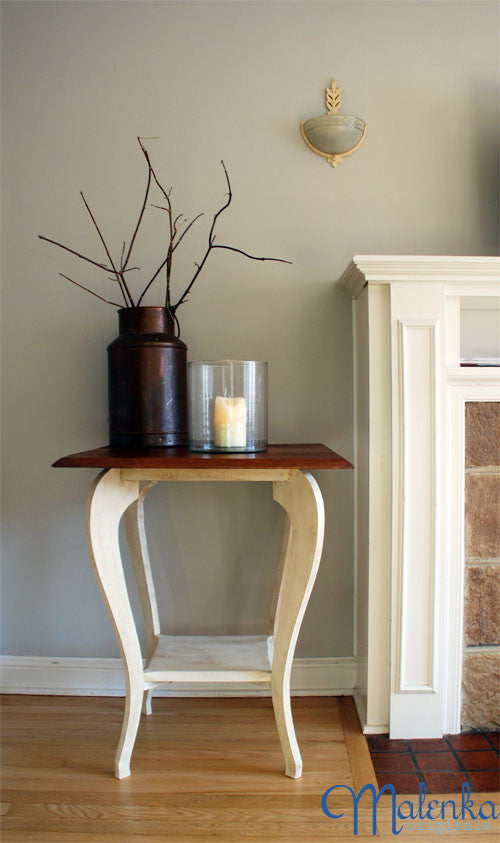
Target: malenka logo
432,817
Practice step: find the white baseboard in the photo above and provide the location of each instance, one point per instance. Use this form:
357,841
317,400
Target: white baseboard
367,728
105,678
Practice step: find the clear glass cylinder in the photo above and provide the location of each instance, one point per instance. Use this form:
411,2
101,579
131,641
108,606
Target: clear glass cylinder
227,402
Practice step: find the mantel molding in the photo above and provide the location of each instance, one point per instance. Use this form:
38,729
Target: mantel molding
468,272
410,393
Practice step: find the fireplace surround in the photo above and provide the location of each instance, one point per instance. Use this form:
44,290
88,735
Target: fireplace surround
410,396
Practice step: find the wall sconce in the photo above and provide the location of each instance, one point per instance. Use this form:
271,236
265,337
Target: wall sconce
333,136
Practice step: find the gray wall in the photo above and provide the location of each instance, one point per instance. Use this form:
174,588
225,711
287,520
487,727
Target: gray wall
217,80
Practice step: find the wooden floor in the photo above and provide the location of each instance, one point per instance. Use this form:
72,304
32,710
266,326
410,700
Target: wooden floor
202,769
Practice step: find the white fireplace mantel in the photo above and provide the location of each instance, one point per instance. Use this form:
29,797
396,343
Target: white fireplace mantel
410,393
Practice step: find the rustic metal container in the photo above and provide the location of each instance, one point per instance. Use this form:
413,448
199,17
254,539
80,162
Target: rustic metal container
147,381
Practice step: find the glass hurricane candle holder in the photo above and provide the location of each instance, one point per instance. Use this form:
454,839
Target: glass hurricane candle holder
228,406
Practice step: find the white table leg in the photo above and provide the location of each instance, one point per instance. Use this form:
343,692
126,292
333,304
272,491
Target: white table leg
301,498
139,555
110,496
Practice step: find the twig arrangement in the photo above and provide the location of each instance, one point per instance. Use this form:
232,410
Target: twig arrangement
178,227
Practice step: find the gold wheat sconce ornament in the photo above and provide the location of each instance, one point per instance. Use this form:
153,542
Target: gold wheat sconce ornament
334,135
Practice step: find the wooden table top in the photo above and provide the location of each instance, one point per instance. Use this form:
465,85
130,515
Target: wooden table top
276,456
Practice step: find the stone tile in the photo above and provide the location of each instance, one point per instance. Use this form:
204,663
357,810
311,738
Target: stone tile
494,737
480,760
403,782
383,743
485,781
437,761
469,740
482,433
482,605
444,782
481,691
429,745
392,761
482,515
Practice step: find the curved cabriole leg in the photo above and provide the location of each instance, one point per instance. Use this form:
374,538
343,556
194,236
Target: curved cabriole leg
139,556
301,498
110,496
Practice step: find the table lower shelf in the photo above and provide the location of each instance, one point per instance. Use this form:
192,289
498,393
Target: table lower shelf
211,658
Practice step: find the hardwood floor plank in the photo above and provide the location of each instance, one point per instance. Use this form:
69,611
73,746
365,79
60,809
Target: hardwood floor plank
357,749
64,837
204,829
253,803
171,782
203,769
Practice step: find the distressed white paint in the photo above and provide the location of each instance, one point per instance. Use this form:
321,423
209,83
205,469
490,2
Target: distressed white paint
211,658
249,659
139,555
301,498
108,500
409,439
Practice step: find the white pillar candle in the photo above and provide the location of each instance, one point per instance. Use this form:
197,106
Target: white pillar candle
230,422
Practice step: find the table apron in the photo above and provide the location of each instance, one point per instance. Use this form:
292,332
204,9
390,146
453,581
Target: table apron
156,475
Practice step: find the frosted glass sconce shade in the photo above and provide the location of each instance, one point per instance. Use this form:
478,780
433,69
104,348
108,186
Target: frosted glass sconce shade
333,135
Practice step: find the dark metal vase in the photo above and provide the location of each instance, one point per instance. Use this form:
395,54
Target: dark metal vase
147,381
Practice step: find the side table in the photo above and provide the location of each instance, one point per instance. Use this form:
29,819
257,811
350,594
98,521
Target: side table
119,490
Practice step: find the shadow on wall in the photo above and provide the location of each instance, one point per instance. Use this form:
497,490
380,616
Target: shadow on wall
484,103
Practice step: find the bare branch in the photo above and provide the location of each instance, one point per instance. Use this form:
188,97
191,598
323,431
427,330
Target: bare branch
141,214
210,238
252,257
178,217
115,304
226,205
186,231
212,244
170,217
119,275
148,285
193,279
178,228
83,257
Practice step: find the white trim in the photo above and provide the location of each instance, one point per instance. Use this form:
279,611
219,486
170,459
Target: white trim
356,491
384,269
367,728
106,678
475,376
410,573
409,479
417,347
